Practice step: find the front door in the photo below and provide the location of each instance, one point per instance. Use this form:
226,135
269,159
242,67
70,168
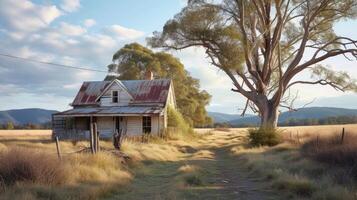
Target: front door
118,124
118,136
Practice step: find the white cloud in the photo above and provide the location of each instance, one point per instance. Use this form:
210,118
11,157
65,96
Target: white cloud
70,5
10,89
89,23
72,86
25,16
121,32
72,30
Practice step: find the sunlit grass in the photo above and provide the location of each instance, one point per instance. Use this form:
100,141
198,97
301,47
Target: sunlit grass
180,168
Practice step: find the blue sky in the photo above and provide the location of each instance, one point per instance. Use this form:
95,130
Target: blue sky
87,33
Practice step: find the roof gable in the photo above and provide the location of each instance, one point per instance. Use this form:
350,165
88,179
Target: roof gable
118,82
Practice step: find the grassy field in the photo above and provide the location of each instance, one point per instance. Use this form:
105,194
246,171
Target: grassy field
216,164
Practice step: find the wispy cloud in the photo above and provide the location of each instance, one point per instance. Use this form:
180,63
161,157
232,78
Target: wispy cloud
25,16
121,32
72,30
26,30
70,5
89,23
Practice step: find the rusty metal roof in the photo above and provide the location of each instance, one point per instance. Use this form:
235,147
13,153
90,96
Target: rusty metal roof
89,92
143,91
111,111
148,91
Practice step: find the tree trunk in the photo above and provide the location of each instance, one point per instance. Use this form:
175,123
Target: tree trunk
269,116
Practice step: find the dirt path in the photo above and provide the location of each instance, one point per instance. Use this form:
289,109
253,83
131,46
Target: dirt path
224,175
233,177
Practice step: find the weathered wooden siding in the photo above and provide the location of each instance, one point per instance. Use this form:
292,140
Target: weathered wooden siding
134,126
162,120
124,96
106,126
155,125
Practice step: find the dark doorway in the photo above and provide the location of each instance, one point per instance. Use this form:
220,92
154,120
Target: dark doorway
118,123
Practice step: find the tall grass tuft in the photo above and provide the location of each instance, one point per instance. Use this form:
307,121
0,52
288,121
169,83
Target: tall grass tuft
24,165
264,137
102,167
334,151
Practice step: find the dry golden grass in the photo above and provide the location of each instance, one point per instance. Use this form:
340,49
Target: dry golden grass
321,130
151,151
100,168
37,174
183,168
86,176
23,133
297,175
23,165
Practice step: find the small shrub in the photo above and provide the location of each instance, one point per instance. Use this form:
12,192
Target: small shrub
20,165
193,180
262,137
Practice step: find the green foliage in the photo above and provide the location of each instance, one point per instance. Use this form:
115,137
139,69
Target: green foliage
9,126
339,80
262,137
198,23
176,120
133,60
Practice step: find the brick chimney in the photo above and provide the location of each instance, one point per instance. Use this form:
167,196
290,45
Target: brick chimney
149,75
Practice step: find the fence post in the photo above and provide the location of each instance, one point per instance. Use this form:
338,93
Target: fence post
342,135
58,148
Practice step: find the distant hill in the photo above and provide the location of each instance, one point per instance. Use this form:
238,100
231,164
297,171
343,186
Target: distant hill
303,113
222,117
25,116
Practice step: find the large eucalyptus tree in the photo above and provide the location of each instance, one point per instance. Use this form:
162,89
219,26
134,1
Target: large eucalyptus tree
262,45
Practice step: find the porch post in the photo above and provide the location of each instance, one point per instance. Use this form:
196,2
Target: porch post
91,135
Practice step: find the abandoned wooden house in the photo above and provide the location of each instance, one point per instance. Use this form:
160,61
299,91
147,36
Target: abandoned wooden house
127,107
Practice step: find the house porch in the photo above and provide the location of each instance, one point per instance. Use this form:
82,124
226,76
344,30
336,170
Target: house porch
78,127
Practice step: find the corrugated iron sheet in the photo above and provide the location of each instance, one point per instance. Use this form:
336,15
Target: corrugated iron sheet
148,91
140,110
89,92
143,91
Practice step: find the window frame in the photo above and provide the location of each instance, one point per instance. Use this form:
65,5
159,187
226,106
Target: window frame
115,97
146,124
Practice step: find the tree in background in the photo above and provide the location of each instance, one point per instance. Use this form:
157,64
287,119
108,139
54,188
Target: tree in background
133,60
262,45
10,126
